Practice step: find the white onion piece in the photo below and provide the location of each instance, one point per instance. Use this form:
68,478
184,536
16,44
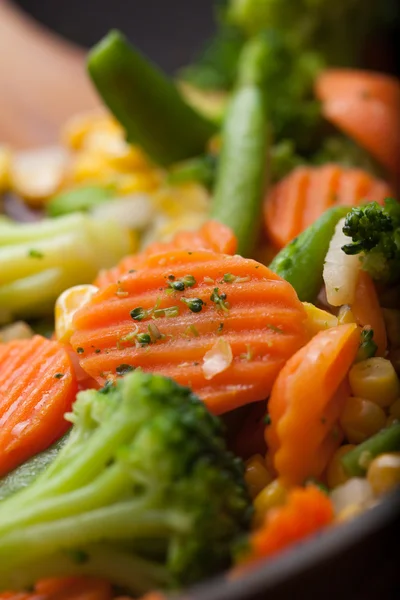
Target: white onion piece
340,270
217,359
38,174
135,211
356,491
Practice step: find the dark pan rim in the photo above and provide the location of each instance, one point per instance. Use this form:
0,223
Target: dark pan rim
328,546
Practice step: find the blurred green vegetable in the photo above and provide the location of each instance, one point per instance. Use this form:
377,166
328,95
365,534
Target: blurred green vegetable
40,260
242,171
78,200
146,103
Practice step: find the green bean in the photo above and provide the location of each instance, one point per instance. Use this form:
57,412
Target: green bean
242,169
301,261
146,103
357,460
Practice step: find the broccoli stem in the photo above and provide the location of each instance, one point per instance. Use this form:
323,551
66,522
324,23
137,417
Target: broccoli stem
126,570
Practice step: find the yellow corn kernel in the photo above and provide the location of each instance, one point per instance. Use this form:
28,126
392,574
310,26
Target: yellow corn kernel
89,166
384,473
394,409
335,473
351,511
345,315
76,129
137,182
5,168
360,419
274,494
256,475
375,379
318,319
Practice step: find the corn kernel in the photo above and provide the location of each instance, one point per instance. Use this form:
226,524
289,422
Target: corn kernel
345,315
89,166
5,167
360,419
274,494
81,125
375,379
137,182
394,409
335,473
318,319
256,475
348,513
384,473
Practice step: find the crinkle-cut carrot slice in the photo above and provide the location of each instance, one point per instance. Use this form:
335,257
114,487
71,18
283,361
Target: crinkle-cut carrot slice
306,402
65,588
306,512
366,107
307,192
253,310
367,311
211,236
37,386
354,82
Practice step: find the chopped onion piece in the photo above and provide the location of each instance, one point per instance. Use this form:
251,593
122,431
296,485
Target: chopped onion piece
217,359
340,270
135,211
38,174
355,492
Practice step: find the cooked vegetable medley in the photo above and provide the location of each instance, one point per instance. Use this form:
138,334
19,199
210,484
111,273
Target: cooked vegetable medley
200,311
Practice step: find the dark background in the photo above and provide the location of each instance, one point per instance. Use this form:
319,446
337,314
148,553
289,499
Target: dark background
171,32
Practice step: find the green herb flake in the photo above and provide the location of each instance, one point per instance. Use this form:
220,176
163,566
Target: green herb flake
274,328
35,253
143,339
80,350
179,285
170,311
59,375
248,355
219,300
124,369
267,419
191,330
220,328
229,278
193,304
97,351
139,313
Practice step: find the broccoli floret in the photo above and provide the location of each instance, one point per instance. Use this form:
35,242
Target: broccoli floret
143,493
39,260
375,233
338,29
342,150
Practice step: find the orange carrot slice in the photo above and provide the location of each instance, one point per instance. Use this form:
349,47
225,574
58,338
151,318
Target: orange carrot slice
229,354
354,82
307,192
365,106
306,402
65,588
37,386
367,311
307,511
211,236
